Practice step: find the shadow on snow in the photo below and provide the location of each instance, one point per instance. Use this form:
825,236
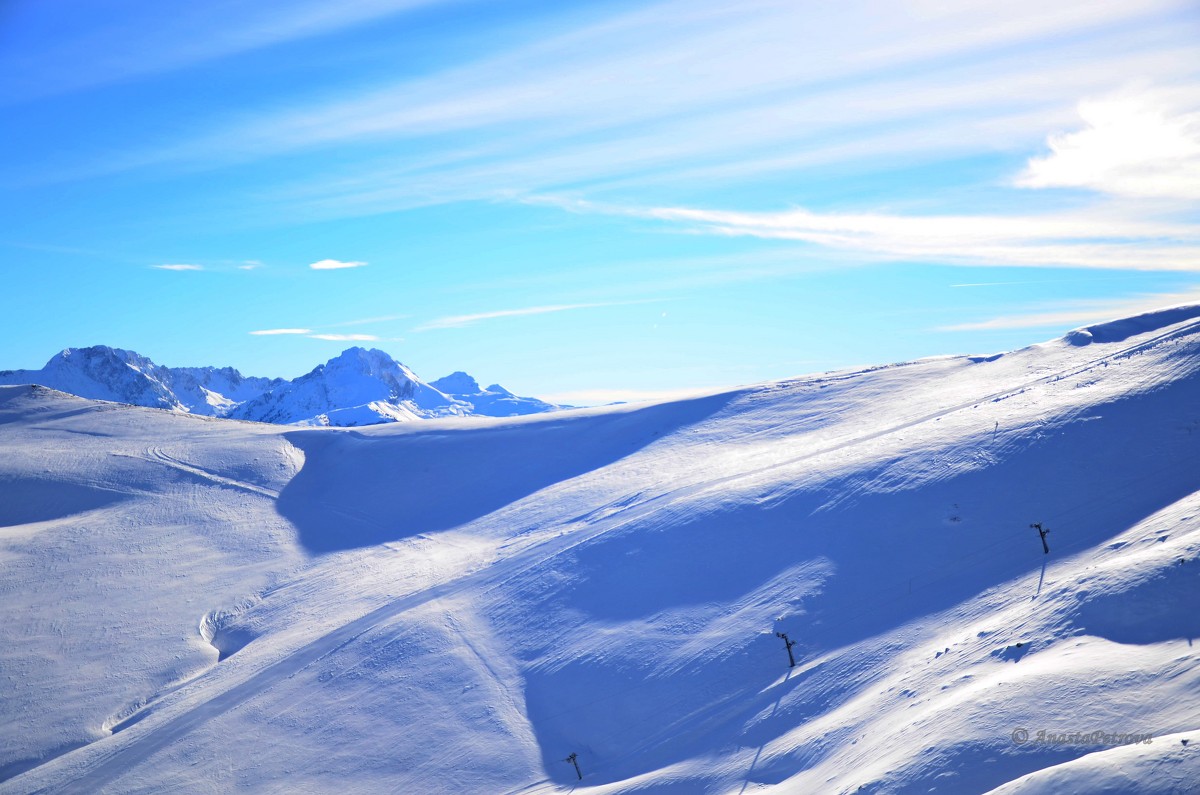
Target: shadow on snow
359,489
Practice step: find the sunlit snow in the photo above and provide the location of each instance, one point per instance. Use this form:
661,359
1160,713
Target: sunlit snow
460,604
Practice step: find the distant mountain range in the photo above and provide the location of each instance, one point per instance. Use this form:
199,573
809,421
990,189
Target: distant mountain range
359,387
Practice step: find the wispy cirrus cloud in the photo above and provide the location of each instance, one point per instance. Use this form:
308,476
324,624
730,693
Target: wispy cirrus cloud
153,39
334,336
1086,240
179,267
458,321
335,265
1072,313
676,94
704,65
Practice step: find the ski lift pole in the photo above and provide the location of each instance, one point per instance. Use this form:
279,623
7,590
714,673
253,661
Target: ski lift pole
1042,533
574,759
789,644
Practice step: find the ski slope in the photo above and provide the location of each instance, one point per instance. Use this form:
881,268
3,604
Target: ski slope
203,605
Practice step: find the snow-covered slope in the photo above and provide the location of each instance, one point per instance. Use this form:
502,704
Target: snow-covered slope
459,605
495,401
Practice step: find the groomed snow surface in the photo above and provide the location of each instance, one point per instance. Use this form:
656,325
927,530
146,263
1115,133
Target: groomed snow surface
457,605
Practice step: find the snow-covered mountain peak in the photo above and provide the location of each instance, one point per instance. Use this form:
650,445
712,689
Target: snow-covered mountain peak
373,374
365,361
359,386
102,373
97,357
457,383
495,401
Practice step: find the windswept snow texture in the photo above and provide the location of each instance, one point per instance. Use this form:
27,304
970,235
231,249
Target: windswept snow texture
457,605
359,387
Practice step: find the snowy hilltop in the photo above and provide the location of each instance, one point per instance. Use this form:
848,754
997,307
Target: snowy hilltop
359,387
964,574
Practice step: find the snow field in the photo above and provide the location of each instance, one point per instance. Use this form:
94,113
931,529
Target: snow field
456,607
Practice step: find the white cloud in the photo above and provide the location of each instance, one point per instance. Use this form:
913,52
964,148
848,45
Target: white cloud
330,336
345,337
1077,313
1144,144
1093,240
249,265
333,265
458,321
180,267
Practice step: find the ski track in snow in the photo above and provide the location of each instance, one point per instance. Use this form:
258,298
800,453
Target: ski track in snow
159,456
141,748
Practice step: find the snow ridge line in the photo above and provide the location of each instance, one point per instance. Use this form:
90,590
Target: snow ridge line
948,410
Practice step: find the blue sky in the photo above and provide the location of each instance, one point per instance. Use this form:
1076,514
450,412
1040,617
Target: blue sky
592,200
